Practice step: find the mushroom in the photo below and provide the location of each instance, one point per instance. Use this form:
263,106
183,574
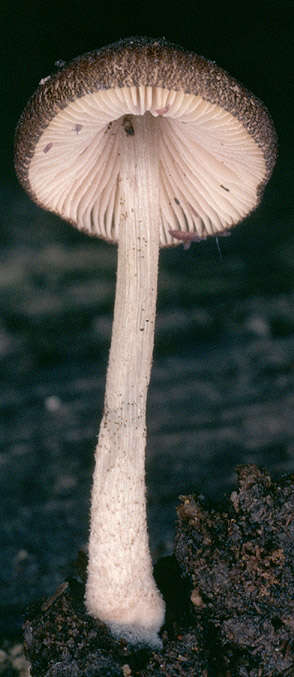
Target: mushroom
145,145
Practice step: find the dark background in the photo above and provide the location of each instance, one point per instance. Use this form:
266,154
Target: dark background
222,382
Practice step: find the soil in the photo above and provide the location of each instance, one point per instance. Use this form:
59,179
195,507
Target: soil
229,589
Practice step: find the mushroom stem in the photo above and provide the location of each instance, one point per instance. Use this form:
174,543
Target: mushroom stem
121,589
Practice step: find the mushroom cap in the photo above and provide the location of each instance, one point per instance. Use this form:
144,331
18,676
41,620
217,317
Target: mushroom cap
217,143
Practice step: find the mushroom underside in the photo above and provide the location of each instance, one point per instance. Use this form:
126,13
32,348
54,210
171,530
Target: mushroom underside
210,168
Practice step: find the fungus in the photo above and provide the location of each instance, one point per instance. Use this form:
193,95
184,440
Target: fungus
145,145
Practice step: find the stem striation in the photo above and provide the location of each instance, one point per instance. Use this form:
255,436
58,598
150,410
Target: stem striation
121,589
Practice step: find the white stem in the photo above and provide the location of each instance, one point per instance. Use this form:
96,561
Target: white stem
121,589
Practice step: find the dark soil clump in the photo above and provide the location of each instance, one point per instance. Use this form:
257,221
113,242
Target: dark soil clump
240,562
229,591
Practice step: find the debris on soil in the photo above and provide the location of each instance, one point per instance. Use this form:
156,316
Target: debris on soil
12,660
229,591
240,564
